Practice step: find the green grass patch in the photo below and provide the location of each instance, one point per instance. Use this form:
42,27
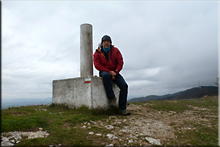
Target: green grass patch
62,123
162,105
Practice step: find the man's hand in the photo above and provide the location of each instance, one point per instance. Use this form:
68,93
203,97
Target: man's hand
113,74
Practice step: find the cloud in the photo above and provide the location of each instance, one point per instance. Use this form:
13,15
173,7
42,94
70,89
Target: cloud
167,46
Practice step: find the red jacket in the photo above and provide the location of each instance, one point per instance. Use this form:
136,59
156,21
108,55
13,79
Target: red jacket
114,61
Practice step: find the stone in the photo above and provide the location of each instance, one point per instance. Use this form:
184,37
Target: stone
111,136
124,120
109,145
91,133
98,134
123,130
6,144
112,117
130,141
40,129
153,141
82,91
109,127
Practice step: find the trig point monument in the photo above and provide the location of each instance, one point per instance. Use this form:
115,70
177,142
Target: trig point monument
85,90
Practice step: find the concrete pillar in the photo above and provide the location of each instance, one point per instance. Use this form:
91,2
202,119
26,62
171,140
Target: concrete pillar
86,51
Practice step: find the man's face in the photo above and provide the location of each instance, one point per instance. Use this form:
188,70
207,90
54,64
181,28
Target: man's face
106,44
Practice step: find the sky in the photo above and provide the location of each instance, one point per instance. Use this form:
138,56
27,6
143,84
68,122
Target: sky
167,46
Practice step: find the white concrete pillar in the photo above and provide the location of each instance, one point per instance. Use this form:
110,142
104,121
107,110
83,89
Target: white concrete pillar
86,51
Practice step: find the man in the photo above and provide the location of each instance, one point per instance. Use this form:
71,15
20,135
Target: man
109,62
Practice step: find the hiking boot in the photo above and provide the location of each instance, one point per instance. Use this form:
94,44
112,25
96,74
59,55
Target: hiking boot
112,102
123,112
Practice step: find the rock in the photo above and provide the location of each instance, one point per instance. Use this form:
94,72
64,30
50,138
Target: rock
153,141
109,145
91,133
84,126
117,123
12,141
109,127
130,141
15,135
111,136
6,143
98,134
93,122
112,117
38,134
40,129
123,130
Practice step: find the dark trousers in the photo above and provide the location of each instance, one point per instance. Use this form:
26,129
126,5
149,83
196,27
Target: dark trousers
120,82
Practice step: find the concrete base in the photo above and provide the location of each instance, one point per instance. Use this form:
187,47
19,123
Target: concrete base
77,92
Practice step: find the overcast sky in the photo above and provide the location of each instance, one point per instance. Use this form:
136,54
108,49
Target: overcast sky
167,46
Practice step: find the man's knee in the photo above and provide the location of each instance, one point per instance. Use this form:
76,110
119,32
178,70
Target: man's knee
106,75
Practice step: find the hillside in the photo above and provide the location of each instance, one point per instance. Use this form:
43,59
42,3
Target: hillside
196,92
191,122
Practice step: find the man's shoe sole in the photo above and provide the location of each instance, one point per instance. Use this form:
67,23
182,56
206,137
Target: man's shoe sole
124,114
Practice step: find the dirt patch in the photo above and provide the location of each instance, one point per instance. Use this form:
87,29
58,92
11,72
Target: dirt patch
130,130
143,122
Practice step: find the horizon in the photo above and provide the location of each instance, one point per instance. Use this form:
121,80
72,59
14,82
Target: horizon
127,99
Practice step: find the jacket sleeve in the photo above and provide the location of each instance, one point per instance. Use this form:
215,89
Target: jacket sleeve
98,63
119,62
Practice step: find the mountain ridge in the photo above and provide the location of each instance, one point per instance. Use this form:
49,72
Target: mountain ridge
195,92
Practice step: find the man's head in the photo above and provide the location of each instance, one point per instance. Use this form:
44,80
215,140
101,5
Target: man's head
106,41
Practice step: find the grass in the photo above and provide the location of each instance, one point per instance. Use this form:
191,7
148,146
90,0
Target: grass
61,122
53,120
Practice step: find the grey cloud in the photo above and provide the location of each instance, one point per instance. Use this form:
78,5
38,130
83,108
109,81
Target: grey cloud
176,39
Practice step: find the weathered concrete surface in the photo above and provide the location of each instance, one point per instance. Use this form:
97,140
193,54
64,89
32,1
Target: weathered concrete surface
81,91
86,51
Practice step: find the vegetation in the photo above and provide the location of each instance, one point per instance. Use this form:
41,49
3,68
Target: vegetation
62,123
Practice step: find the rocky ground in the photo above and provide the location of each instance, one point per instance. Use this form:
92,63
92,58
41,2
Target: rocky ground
145,126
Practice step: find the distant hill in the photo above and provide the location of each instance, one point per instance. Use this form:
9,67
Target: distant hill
6,103
196,92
